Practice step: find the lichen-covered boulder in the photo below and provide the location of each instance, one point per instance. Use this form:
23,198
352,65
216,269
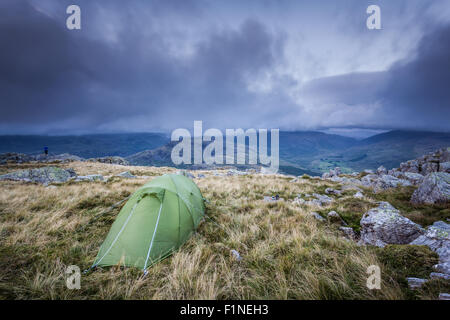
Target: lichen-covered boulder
437,238
414,178
384,225
383,182
435,188
43,175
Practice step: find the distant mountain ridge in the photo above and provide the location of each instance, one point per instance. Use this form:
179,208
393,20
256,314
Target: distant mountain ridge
301,152
86,146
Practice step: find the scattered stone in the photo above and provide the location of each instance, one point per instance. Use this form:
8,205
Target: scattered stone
381,170
348,232
91,177
332,173
354,174
383,182
273,199
298,200
318,216
346,187
435,188
126,174
358,195
45,175
384,225
333,191
111,160
323,199
436,275
314,202
410,166
442,267
368,171
415,283
12,157
334,217
236,255
444,296
444,167
201,175
234,172
59,158
267,170
186,174
414,178
432,162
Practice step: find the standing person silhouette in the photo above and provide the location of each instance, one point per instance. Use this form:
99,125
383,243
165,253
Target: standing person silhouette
46,151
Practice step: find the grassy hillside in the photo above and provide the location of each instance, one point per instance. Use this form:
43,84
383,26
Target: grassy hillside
287,254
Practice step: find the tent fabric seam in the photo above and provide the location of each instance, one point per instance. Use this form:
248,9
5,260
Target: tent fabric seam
154,232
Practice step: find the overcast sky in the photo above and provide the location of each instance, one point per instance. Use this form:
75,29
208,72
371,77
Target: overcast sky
149,65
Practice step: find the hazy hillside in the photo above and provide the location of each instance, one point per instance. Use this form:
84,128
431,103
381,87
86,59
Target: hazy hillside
300,152
388,149
86,146
297,149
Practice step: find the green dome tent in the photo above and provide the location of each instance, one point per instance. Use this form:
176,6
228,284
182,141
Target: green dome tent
157,219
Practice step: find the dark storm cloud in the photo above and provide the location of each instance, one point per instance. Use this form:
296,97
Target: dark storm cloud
414,93
418,90
52,75
159,65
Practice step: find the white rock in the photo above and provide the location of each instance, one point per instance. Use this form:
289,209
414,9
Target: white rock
437,275
444,296
415,283
384,225
358,195
349,233
126,174
318,216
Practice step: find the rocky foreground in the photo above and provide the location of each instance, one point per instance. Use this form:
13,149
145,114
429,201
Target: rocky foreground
381,224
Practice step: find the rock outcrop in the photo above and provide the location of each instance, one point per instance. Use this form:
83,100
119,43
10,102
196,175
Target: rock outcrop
435,188
24,158
44,175
429,163
111,160
91,177
126,174
383,182
12,157
384,225
332,173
